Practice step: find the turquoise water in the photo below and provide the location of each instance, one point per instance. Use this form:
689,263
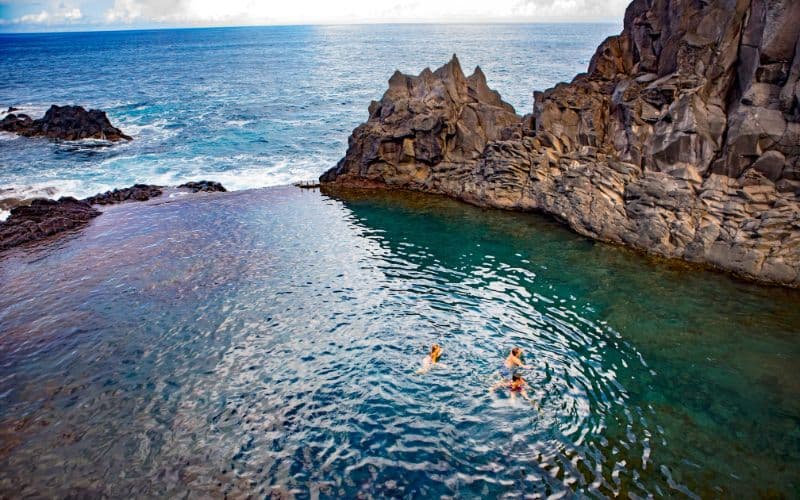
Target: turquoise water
248,107
266,342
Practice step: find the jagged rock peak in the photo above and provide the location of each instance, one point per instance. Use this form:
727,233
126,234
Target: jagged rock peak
439,116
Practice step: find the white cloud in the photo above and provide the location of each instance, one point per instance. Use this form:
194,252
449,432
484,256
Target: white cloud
572,9
39,18
58,13
220,12
255,12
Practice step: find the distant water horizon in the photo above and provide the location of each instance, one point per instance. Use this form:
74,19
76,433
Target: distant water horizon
246,106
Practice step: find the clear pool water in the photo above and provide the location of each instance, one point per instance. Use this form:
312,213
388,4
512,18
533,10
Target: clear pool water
266,342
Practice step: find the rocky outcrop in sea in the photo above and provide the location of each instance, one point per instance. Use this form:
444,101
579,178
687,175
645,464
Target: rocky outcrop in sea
42,218
68,123
682,139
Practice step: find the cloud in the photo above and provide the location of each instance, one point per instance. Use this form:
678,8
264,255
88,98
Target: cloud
187,11
220,12
255,12
571,9
57,13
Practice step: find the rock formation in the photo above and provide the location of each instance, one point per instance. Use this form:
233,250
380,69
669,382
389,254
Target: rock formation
44,217
683,139
137,192
205,186
69,123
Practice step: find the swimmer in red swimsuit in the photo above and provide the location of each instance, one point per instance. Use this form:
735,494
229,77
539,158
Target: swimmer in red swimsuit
515,386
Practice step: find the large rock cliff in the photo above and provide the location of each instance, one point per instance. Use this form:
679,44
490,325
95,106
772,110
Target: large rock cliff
683,139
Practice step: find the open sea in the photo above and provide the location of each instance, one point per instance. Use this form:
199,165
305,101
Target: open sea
265,342
248,107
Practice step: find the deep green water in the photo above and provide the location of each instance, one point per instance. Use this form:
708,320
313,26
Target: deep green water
266,342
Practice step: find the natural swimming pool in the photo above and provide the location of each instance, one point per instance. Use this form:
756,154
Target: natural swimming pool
266,342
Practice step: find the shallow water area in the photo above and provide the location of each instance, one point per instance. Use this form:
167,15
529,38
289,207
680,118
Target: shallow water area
266,341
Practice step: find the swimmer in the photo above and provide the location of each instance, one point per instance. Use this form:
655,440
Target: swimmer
512,361
431,359
515,386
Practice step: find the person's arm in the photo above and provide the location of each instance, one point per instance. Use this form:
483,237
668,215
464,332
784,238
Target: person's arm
427,364
518,362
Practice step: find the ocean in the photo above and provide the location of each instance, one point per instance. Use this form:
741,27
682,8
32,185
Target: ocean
248,107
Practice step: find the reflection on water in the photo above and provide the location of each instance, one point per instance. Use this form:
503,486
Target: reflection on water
266,342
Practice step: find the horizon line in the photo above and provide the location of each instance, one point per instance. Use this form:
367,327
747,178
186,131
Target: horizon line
108,29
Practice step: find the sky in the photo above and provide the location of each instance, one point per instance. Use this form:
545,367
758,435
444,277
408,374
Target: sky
79,15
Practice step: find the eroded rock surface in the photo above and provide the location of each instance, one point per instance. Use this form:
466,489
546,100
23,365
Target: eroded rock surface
205,186
683,139
43,218
137,192
69,123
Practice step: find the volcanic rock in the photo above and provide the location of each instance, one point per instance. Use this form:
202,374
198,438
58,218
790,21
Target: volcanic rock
69,123
43,218
137,192
207,186
682,139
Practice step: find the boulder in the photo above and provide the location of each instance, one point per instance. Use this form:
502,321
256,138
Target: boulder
69,123
137,192
206,186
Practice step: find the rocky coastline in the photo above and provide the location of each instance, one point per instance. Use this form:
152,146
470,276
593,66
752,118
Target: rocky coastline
42,218
681,140
67,123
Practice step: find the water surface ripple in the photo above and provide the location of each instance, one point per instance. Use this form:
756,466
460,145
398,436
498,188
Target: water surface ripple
266,342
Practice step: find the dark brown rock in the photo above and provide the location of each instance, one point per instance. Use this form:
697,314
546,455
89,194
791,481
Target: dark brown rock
137,192
43,218
206,186
69,123
682,139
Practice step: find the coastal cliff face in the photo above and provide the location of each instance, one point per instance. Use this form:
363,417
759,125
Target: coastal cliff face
683,139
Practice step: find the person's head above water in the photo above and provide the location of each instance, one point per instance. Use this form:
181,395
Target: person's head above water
436,352
516,377
516,352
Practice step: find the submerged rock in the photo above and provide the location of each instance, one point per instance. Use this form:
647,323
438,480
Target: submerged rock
683,139
69,123
207,186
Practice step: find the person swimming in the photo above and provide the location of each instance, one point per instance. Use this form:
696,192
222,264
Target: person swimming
515,386
431,359
514,360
